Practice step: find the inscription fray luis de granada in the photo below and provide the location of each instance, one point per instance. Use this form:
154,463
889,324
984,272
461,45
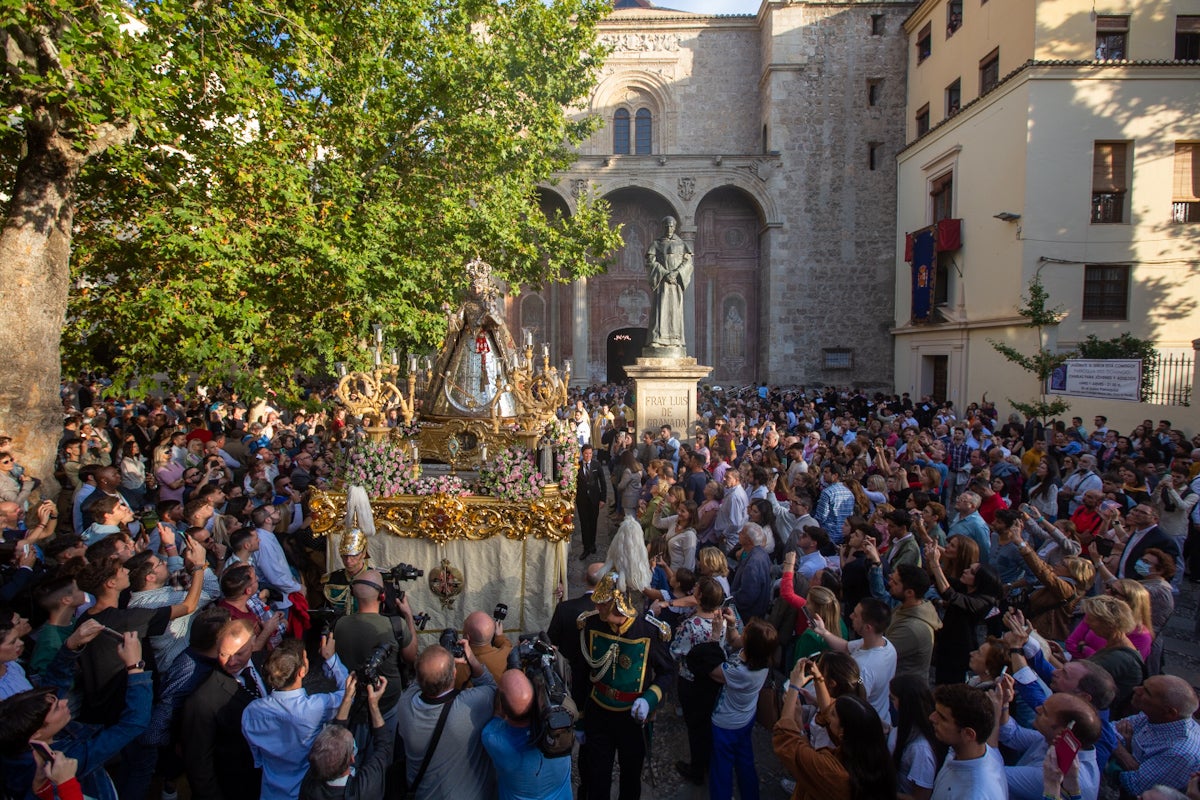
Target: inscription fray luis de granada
667,409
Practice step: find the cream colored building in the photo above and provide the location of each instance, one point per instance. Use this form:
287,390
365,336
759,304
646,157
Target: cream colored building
1067,141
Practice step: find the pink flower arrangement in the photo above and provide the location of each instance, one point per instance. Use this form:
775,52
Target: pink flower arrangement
512,475
381,468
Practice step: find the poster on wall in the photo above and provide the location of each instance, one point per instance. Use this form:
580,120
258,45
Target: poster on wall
1110,378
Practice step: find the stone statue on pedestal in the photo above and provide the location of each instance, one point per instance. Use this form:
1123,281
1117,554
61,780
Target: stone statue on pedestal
670,267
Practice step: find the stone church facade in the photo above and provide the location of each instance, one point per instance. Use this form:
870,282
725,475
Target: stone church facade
772,140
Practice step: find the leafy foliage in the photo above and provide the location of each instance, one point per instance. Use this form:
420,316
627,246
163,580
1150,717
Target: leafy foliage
1043,361
1125,346
301,170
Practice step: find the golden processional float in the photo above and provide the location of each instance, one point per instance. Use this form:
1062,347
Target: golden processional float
475,484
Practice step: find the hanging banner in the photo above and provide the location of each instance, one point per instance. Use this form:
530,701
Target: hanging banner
924,252
1110,378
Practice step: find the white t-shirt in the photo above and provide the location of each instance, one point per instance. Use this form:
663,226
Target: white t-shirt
739,696
978,779
878,667
918,766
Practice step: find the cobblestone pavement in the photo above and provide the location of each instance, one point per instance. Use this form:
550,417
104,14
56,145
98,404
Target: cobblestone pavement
669,739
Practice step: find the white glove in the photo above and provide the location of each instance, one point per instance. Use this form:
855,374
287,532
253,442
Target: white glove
640,710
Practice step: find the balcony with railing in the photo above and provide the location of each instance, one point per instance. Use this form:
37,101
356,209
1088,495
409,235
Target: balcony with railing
1108,207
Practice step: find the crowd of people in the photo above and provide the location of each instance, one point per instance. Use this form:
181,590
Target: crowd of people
948,591
962,607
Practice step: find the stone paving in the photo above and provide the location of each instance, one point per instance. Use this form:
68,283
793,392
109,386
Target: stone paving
669,741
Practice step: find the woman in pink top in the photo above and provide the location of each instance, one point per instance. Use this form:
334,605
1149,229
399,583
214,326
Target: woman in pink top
1083,641
169,474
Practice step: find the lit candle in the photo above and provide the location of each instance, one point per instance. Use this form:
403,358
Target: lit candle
412,363
529,337
378,357
427,363
378,333
545,349
395,358
341,368
566,365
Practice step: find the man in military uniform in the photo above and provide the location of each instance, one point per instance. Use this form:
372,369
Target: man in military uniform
629,665
353,550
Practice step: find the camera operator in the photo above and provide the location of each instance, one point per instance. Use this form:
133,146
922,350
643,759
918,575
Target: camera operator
359,637
522,770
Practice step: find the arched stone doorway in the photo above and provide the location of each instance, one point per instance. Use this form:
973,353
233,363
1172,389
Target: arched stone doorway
620,299
624,347
728,226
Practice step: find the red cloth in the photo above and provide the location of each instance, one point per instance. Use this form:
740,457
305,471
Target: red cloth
908,247
298,618
949,234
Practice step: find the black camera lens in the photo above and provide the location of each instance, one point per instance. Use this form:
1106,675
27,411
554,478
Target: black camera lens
500,613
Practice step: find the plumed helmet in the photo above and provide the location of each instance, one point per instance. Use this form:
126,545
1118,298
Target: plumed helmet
607,590
354,542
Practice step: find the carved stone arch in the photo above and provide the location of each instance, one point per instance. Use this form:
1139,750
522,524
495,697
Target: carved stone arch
634,89
755,190
729,225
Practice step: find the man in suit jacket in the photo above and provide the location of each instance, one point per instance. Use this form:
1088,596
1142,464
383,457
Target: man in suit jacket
215,754
1143,520
591,490
564,634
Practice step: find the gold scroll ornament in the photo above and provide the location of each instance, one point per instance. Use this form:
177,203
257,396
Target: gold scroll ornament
441,518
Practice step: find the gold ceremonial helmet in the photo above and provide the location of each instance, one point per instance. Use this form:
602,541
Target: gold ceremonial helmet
353,543
606,591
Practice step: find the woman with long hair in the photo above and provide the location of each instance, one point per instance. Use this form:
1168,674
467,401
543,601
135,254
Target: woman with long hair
742,678
916,751
680,538
969,598
819,602
862,505
959,554
133,474
858,767
1043,494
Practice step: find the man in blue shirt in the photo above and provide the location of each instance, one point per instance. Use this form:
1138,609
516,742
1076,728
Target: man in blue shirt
522,770
281,727
970,523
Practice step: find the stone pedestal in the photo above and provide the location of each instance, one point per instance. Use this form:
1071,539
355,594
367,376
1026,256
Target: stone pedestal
665,393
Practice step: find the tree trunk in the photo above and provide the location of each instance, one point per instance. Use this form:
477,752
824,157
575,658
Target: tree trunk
35,249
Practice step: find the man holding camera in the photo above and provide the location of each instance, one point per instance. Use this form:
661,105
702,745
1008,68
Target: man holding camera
367,643
441,727
486,635
522,770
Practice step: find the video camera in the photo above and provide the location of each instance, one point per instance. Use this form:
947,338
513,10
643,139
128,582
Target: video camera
400,573
549,673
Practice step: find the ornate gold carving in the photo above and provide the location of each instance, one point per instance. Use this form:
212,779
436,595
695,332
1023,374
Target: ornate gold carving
442,518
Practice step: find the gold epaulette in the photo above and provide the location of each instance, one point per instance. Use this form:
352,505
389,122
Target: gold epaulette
664,630
581,620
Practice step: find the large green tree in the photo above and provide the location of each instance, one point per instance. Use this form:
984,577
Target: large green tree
247,185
